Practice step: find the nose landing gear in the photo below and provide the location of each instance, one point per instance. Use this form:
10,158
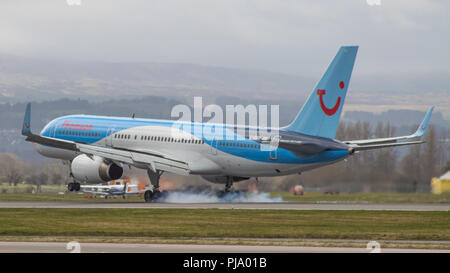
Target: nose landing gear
73,186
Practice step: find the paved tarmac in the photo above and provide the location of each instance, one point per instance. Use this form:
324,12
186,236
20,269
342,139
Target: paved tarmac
44,247
281,205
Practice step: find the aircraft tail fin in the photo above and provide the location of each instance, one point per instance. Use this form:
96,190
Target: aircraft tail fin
26,126
320,114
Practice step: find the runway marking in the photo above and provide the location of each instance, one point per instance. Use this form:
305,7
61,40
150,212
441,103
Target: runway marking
10,247
264,206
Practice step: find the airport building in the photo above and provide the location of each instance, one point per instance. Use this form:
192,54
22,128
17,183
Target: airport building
441,184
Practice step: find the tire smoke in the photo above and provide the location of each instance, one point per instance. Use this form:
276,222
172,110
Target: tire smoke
208,196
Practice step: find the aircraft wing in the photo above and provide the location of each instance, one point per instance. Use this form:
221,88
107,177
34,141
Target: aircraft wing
368,144
303,147
153,160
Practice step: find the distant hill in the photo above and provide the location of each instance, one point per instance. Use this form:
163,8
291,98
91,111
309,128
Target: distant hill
33,79
404,120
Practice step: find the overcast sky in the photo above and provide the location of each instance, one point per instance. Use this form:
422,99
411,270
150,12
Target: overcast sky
290,36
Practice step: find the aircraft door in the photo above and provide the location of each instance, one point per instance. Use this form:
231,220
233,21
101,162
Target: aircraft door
109,137
214,146
273,148
53,132
273,154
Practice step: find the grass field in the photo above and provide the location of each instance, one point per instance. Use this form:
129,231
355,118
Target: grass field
366,197
218,223
27,188
309,197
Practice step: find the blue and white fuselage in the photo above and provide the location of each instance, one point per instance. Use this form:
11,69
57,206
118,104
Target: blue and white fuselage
205,151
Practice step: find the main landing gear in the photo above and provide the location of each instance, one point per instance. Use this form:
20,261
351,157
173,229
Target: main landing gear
73,186
154,194
227,189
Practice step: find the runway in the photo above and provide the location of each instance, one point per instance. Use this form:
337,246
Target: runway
44,247
265,206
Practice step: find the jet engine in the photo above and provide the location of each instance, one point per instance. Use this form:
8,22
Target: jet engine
222,179
94,169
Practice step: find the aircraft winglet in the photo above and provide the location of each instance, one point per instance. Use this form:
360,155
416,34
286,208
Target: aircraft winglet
26,127
423,126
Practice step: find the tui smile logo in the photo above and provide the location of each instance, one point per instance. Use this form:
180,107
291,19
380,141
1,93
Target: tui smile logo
325,109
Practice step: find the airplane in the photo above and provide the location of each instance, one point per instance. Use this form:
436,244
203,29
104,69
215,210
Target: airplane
98,147
110,190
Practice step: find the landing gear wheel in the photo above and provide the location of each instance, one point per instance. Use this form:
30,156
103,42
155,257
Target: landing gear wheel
77,186
221,194
70,186
164,194
148,196
156,195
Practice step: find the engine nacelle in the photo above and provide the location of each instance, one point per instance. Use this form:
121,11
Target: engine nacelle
94,170
222,179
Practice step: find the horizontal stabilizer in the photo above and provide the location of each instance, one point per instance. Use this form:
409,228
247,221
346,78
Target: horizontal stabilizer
368,144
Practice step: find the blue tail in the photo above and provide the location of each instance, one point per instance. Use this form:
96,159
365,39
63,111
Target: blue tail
320,114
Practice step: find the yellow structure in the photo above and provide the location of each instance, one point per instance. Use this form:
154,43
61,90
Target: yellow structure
441,184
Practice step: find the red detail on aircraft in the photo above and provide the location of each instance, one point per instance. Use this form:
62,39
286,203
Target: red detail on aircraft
74,126
27,125
328,111
341,85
